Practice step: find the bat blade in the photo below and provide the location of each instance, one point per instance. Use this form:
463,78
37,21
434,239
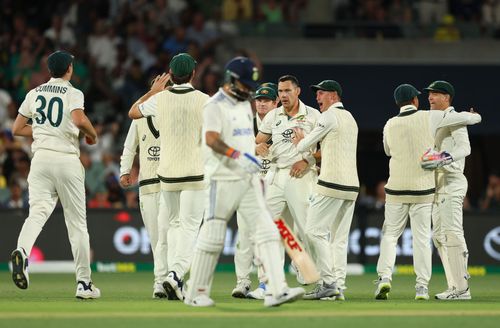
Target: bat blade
297,253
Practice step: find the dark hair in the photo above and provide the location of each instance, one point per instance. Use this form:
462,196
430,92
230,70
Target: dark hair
58,74
182,79
405,103
291,78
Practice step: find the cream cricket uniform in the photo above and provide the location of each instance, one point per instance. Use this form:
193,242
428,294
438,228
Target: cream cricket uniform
56,171
332,206
231,189
179,113
409,192
144,134
451,188
284,190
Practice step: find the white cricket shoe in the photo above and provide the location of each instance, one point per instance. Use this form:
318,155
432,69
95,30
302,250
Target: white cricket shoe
454,295
19,261
241,290
159,291
321,291
288,296
200,301
339,297
383,288
87,291
259,293
173,286
421,293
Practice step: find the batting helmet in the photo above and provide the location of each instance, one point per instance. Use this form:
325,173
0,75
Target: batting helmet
243,70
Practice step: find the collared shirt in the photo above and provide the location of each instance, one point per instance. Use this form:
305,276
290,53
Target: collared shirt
50,106
280,126
233,120
327,122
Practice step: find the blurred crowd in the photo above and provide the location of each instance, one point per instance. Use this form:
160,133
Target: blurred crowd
120,45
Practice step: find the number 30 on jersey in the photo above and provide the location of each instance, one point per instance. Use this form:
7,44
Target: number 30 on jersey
46,111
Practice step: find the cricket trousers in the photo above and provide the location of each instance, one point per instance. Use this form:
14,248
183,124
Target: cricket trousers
327,230
179,227
151,215
58,176
396,218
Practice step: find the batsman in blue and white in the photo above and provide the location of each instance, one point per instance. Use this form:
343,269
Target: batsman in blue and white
56,173
231,169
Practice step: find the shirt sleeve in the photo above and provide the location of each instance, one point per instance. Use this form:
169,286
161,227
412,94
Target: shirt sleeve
267,122
463,118
462,145
386,145
149,107
211,118
326,122
76,100
129,149
24,109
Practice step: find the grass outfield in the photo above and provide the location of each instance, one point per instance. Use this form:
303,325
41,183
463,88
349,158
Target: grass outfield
126,302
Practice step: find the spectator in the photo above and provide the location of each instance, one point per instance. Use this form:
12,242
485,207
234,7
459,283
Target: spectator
16,199
490,13
447,31
61,36
491,199
431,11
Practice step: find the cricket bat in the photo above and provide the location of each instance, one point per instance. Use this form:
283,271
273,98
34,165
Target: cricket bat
297,253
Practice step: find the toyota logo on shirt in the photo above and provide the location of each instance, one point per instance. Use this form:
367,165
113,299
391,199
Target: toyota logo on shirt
287,135
266,164
154,151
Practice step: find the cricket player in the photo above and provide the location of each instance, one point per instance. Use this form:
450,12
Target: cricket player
179,113
332,206
57,111
231,169
144,134
266,99
292,179
448,160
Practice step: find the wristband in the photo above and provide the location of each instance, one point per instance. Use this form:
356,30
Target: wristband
232,153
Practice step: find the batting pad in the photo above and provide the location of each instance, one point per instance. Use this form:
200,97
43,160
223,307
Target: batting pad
269,253
458,257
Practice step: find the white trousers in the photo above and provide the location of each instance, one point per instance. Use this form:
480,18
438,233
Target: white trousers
179,228
327,231
225,198
448,231
54,176
293,193
396,217
151,215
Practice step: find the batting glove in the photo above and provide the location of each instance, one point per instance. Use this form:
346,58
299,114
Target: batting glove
249,163
432,159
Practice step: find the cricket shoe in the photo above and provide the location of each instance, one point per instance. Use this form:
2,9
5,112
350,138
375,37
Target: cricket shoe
383,288
339,297
421,293
19,261
201,300
454,295
241,290
290,295
259,293
87,291
159,291
173,286
321,291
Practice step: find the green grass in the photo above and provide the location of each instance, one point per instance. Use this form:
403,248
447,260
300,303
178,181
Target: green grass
126,302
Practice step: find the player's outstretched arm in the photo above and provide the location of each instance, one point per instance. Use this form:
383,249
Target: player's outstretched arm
21,127
159,84
82,122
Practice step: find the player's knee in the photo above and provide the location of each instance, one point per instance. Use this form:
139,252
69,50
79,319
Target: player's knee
212,235
266,233
454,239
